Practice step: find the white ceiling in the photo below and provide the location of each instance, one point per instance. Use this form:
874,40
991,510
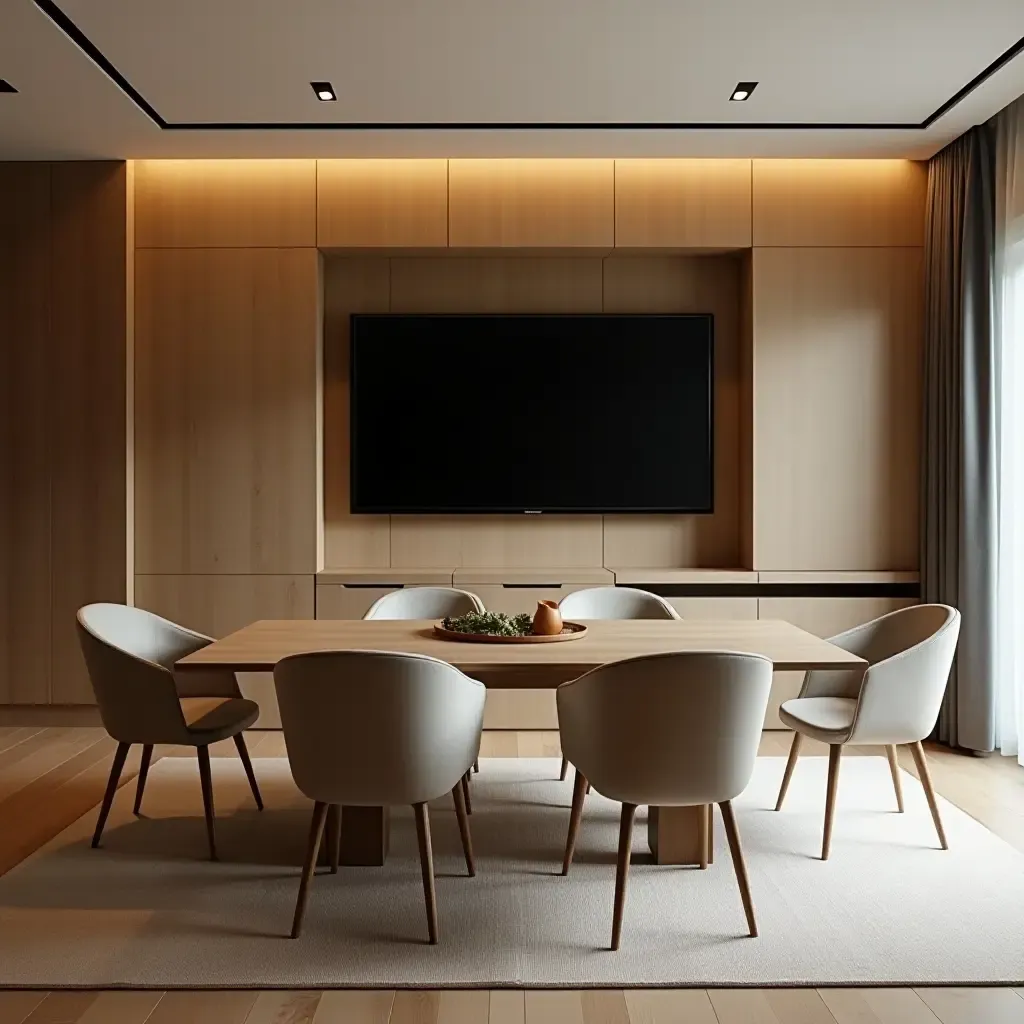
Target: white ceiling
823,66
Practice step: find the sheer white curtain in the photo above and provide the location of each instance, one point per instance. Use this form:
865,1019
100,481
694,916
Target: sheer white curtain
1009,294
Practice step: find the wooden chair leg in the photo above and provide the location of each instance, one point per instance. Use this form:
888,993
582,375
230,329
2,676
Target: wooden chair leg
243,753
794,753
466,794
120,755
588,789
894,770
427,867
476,766
140,785
926,781
622,870
316,830
563,771
578,793
835,752
703,840
733,835
467,840
206,781
333,836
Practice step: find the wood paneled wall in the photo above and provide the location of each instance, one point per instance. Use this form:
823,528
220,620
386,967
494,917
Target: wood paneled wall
813,270
64,258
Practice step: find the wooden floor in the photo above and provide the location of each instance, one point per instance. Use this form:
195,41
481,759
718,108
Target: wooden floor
51,776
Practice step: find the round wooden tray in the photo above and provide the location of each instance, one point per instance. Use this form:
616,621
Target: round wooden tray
570,631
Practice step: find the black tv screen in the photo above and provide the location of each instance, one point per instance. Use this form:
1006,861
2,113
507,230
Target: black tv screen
531,413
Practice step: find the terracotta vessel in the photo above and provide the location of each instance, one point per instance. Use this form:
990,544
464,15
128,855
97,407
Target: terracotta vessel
546,620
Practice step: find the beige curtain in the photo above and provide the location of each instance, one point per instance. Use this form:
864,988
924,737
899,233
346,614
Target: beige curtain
958,496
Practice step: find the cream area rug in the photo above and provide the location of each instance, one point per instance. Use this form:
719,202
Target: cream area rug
148,909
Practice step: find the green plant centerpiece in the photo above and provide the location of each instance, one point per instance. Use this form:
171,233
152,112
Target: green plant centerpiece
490,623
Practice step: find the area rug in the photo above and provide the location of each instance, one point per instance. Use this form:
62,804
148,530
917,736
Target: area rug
149,910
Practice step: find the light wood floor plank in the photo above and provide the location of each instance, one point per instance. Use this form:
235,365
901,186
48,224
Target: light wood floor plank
15,735
877,1006
667,1006
507,1008
62,1008
46,759
284,1008
16,1006
203,1008
121,1008
742,1006
799,1006
354,1008
973,1005
604,1006
470,1007
412,1007
554,1007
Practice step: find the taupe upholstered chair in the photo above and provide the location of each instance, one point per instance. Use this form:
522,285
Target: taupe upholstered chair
130,654
424,603
895,700
371,729
613,603
429,603
665,730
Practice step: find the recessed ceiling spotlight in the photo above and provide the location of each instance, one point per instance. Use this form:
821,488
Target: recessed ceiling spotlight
742,91
6,86
324,91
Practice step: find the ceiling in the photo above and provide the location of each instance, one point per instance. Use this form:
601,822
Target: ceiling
149,78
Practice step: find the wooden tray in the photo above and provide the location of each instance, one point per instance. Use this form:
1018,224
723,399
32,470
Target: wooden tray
570,631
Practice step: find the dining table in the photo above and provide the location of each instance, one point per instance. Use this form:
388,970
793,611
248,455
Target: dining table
673,832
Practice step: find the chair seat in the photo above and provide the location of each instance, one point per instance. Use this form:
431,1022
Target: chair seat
210,720
828,719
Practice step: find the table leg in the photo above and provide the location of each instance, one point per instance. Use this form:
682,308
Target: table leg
674,834
365,832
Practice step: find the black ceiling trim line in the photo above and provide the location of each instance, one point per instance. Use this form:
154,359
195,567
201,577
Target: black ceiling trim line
93,52
1003,59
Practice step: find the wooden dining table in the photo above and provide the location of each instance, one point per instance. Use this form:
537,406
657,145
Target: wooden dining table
672,831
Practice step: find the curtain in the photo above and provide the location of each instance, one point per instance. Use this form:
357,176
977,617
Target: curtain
958,486
1009,345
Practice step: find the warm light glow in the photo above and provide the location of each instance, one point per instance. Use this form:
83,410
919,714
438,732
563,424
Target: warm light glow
325,95
740,94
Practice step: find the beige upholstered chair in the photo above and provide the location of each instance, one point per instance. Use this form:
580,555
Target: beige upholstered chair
429,603
370,729
613,603
665,730
130,654
424,603
896,700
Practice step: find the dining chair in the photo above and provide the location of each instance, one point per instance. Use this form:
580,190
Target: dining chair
665,730
130,655
373,729
895,700
429,603
424,603
612,603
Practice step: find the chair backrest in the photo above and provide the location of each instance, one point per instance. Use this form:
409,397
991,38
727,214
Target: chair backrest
374,728
667,729
424,603
909,654
129,654
615,603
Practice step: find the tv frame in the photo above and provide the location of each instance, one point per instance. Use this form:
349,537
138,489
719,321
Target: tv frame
354,509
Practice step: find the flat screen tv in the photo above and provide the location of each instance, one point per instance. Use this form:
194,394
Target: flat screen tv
531,413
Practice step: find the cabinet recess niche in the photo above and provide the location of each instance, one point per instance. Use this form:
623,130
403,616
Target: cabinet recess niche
534,283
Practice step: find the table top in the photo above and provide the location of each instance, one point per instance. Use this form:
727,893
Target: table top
259,646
